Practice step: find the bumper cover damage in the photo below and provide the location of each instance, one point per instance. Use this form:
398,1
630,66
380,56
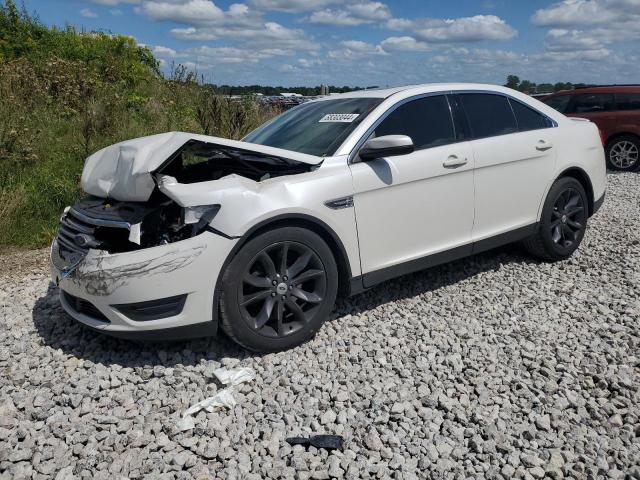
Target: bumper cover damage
142,235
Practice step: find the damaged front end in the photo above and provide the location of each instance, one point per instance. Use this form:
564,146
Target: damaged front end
141,193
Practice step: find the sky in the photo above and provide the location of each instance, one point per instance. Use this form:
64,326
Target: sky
366,43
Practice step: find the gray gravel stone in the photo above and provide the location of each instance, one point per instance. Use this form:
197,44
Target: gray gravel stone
495,366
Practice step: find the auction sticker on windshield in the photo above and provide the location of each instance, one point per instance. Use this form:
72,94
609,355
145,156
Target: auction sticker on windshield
339,117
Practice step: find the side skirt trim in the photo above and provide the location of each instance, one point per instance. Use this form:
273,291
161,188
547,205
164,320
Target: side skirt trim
368,280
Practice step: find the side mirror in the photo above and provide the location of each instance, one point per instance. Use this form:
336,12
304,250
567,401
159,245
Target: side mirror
386,146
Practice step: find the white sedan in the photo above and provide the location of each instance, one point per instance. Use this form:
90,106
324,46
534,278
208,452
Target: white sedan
180,233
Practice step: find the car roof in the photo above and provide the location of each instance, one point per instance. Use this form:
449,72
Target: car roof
422,88
600,89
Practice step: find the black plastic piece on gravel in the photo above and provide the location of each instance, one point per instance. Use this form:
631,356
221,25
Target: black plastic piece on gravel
328,442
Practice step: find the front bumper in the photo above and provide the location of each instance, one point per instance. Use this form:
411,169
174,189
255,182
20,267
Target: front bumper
98,289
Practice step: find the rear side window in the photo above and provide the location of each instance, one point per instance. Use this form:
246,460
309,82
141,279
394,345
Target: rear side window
558,103
488,115
528,118
628,101
591,103
426,120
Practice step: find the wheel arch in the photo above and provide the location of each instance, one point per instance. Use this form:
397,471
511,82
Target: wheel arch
581,176
614,136
296,220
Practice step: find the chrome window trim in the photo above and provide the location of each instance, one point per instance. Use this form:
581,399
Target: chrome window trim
391,109
554,124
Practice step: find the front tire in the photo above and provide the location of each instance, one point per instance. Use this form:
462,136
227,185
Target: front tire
623,153
563,222
278,290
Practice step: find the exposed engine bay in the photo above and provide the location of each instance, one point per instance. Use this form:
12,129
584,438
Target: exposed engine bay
120,226
198,161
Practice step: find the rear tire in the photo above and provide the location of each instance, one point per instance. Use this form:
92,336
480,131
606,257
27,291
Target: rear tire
278,290
563,222
623,153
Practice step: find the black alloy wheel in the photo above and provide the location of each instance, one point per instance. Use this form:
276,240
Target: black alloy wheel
563,222
282,288
568,218
278,289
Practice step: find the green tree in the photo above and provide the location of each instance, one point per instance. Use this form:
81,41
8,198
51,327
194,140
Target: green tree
513,81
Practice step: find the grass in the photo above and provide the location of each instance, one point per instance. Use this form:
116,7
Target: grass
65,94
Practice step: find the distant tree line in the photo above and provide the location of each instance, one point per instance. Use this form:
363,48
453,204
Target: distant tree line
525,86
267,90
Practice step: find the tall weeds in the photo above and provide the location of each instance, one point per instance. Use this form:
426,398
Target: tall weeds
64,95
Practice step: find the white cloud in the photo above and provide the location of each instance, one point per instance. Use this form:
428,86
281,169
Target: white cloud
192,33
404,44
113,3
116,12
161,51
465,29
481,57
585,28
363,47
370,10
308,63
573,57
259,35
87,13
204,21
214,55
189,11
399,24
585,12
352,15
570,40
355,49
293,6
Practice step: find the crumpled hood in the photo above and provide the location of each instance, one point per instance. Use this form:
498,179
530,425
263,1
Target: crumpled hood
123,171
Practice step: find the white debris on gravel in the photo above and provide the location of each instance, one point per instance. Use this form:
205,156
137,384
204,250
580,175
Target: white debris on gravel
234,377
496,366
222,399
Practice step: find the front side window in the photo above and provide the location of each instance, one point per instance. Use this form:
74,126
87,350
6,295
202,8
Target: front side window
558,103
628,101
488,115
426,120
591,103
315,128
528,118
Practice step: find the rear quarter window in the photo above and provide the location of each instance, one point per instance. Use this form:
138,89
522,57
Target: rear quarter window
528,118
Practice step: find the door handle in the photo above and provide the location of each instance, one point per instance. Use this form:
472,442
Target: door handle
543,146
454,162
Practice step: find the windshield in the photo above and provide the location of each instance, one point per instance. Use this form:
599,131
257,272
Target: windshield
315,128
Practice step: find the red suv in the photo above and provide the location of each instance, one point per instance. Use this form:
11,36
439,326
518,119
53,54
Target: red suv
616,111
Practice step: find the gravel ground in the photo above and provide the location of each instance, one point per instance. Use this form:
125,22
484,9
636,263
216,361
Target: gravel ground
495,366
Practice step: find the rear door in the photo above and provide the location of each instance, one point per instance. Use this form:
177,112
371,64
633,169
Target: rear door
513,148
628,114
597,107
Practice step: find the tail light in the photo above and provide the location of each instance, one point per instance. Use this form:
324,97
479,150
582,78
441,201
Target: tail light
601,137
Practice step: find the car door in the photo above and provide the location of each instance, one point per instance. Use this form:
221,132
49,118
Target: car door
597,107
411,206
628,112
514,162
